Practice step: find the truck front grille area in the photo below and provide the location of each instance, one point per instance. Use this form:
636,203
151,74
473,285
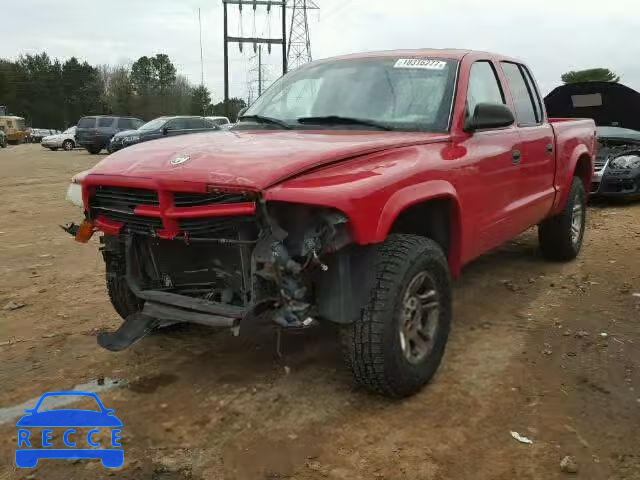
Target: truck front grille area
118,204
123,198
181,199
216,227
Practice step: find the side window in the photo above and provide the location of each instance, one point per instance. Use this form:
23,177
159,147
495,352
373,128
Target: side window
194,123
177,124
537,102
209,123
104,122
126,124
137,123
87,122
484,86
522,99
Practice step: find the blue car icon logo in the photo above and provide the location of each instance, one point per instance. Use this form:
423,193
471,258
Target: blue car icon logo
32,448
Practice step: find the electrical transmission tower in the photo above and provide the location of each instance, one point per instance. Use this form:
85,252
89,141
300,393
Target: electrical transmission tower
257,77
299,48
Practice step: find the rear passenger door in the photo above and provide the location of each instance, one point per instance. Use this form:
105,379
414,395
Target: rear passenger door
494,189
537,164
106,127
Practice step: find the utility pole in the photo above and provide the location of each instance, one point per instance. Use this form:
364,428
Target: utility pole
253,40
201,57
299,48
259,70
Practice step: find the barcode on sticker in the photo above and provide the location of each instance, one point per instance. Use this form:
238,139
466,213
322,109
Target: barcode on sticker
420,63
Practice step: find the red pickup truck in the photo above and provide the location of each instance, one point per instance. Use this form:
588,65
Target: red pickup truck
351,192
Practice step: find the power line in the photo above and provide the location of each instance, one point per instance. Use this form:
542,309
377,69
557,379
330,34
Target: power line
255,40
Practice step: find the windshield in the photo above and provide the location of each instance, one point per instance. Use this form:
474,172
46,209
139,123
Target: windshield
154,124
70,130
404,94
618,132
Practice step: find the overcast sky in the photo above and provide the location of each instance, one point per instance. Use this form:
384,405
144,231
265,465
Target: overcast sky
553,36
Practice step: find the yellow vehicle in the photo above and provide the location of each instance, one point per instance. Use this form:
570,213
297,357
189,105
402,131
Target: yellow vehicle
14,128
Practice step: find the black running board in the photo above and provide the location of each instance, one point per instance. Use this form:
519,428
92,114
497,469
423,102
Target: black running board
132,330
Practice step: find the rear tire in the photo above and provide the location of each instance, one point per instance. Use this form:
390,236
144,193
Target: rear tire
378,345
68,145
561,236
94,150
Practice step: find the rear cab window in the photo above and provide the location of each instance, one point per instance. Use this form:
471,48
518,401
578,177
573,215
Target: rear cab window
528,111
87,122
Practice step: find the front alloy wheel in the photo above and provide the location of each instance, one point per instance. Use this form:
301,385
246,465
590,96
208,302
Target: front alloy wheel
395,346
420,318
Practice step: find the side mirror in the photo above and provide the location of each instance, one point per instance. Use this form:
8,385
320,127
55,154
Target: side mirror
242,111
165,130
489,115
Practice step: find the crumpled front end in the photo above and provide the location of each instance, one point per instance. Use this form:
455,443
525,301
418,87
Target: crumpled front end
216,256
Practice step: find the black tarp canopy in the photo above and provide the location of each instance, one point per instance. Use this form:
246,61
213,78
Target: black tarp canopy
607,103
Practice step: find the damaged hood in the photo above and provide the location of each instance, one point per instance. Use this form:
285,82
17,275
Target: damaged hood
252,159
607,103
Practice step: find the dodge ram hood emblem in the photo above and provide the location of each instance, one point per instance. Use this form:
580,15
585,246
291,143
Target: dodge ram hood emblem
180,159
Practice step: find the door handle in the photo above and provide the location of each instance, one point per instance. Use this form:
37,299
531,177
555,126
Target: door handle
549,147
516,157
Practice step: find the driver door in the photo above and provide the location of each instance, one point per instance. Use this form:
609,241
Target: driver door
492,186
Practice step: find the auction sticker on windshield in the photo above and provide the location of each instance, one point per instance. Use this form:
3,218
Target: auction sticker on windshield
424,63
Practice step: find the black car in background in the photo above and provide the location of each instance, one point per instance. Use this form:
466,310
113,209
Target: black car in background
616,111
159,128
94,133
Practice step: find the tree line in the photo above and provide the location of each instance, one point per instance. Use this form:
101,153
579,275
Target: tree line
49,93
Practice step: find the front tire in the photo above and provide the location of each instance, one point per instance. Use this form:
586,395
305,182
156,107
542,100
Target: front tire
122,298
396,345
561,236
94,150
68,145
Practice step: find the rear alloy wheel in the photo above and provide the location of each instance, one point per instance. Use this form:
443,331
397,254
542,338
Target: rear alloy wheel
561,236
395,347
68,145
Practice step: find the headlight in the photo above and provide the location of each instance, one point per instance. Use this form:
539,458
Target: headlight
625,162
74,194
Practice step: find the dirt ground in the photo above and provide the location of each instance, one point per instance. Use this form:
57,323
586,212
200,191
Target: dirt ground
551,351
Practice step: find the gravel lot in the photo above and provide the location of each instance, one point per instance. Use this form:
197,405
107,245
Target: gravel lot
551,351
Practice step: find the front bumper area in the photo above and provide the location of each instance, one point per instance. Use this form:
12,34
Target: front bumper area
218,258
616,183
